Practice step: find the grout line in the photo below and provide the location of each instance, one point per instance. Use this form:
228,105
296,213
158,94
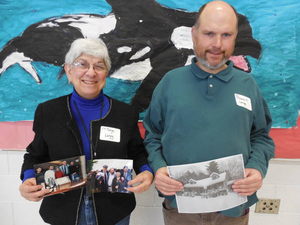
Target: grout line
284,161
12,150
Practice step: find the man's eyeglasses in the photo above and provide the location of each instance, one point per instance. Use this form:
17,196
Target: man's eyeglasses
84,66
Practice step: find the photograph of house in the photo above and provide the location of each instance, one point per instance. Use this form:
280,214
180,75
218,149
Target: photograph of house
207,185
212,186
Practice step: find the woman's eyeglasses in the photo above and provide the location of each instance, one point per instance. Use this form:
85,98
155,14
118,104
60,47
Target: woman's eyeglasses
84,66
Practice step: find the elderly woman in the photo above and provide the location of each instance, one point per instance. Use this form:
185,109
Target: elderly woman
89,123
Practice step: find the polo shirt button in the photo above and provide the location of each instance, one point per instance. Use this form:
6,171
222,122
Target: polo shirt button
211,76
211,85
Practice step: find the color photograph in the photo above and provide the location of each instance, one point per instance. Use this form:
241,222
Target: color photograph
61,175
109,175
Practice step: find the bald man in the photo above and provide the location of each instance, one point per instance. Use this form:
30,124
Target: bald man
205,111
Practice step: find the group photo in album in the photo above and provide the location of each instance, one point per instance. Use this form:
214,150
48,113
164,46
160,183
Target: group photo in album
109,175
61,175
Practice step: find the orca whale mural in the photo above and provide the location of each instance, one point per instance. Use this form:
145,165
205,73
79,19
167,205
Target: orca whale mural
145,41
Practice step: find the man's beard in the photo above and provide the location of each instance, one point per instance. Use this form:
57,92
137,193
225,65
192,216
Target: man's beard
203,60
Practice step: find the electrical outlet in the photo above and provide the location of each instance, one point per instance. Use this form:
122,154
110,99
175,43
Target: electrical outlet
267,206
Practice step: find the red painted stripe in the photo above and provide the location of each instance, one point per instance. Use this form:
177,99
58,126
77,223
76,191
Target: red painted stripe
17,135
287,141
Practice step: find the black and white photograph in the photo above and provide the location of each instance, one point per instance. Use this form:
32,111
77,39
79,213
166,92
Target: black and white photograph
61,175
109,175
207,185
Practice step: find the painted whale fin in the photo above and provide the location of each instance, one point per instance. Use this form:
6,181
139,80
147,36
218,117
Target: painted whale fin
23,61
143,96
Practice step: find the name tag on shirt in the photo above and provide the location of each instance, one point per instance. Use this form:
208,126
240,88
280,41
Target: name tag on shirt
110,134
243,101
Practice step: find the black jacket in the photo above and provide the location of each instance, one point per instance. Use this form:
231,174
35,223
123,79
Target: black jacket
57,137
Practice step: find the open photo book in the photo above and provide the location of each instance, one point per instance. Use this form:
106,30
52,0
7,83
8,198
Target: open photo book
100,175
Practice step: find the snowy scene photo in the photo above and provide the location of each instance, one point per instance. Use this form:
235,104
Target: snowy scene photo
207,185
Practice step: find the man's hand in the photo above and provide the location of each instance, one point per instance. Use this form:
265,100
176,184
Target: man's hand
165,184
143,179
250,184
31,191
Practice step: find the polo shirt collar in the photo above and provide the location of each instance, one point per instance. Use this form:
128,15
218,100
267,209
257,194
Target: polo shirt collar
224,75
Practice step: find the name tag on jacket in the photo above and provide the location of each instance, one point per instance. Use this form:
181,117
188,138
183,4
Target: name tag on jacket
110,134
243,101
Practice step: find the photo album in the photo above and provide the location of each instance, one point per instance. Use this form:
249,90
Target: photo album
101,175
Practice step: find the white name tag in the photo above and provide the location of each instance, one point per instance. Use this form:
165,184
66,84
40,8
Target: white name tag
110,134
243,101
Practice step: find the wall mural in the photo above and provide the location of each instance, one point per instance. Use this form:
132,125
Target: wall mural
145,38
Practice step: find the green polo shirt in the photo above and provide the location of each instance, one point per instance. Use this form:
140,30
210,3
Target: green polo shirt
195,116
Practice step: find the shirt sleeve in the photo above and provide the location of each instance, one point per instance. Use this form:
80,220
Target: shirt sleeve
28,174
262,145
146,167
153,123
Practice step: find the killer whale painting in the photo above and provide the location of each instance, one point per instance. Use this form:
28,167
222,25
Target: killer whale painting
143,44
146,39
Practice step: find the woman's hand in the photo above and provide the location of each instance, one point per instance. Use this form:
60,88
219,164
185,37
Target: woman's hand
31,191
144,180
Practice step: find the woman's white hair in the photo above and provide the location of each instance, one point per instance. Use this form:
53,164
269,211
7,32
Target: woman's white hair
91,46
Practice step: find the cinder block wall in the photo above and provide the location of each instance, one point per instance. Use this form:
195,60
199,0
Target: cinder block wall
282,182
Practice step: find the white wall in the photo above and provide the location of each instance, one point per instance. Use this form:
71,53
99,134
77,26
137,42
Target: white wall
282,182
15,210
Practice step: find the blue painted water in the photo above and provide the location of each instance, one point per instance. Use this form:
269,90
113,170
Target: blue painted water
275,26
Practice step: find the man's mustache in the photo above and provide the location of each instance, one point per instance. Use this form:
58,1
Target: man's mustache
215,51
